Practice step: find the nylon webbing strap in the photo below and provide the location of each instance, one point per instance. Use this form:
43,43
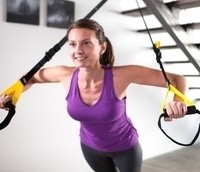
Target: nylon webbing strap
16,89
48,56
191,109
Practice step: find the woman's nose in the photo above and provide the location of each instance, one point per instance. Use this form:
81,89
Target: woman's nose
79,49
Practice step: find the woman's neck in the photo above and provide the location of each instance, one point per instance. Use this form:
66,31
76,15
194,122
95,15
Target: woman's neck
91,74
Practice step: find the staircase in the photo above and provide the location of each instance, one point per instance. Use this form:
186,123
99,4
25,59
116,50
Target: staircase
186,34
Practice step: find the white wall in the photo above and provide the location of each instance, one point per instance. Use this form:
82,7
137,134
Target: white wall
42,137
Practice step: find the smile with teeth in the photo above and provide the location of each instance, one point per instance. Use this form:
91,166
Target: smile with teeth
80,58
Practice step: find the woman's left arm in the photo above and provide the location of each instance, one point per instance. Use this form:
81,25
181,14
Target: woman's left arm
154,77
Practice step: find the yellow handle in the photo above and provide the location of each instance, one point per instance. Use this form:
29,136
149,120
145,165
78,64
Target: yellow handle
179,94
15,91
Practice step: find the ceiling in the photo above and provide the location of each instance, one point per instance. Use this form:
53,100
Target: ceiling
179,20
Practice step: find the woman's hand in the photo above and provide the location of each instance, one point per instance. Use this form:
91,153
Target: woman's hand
175,109
3,100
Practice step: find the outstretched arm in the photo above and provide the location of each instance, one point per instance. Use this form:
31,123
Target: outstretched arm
45,75
153,77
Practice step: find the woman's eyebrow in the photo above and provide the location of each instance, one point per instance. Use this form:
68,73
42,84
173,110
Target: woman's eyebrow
86,39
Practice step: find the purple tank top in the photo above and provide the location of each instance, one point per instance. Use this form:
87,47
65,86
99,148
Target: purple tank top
104,125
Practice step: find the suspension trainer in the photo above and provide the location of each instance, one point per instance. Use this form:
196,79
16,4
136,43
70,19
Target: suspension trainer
17,88
191,108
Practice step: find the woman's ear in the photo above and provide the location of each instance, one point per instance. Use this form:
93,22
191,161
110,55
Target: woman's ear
103,47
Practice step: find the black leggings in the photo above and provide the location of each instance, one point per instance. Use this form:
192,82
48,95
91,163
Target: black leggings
125,161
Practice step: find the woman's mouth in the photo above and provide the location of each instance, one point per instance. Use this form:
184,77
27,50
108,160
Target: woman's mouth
80,58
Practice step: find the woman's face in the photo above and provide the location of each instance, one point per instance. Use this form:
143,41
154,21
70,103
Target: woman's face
84,47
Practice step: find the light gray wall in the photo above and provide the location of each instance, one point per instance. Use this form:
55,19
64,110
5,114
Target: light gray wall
42,137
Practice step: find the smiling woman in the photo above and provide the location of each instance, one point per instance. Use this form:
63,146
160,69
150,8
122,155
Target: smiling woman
96,92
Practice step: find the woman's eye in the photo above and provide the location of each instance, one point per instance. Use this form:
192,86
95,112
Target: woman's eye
87,43
72,44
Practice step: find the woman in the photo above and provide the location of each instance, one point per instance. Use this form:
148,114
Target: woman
96,96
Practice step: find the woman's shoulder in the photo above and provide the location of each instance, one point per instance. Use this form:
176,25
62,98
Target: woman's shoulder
123,68
126,71
59,72
64,69
65,74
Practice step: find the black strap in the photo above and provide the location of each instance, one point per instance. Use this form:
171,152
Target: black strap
9,116
48,56
191,110
156,49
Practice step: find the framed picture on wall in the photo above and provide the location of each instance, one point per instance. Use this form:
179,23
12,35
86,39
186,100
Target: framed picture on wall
23,11
60,13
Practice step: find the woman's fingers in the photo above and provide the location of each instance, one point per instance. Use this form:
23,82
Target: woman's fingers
3,100
176,110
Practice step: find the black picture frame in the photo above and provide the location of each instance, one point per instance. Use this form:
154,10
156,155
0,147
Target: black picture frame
60,14
23,11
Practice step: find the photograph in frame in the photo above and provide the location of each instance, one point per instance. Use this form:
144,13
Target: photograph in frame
60,14
23,11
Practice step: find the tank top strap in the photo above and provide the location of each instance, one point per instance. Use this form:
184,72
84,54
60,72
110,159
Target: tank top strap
73,85
108,82
108,77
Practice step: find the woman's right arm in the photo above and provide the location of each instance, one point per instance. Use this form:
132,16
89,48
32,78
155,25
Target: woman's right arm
44,75
50,75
